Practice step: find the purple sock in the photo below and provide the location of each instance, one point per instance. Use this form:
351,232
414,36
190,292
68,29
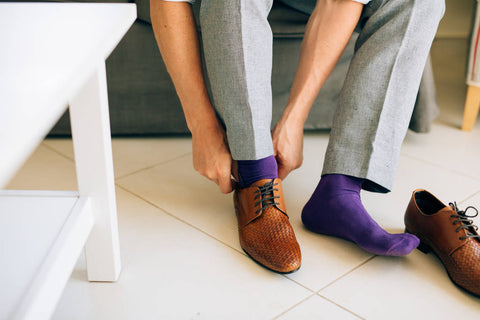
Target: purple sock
336,209
250,171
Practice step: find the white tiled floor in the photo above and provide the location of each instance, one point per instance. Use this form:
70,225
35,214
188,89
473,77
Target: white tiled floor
182,260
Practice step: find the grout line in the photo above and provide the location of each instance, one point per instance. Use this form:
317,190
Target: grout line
127,174
57,152
347,273
177,218
340,306
151,166
167,212
470,196
204,232
296,282
294,306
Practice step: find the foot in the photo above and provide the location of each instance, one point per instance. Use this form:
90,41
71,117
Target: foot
264,230
336,209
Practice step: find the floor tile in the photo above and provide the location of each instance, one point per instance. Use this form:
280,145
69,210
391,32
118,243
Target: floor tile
447,147
132,154
45,170
172,271
176,188
317,308
389,209
411,287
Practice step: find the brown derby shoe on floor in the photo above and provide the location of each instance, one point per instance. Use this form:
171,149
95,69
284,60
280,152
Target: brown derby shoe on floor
450,234
264,230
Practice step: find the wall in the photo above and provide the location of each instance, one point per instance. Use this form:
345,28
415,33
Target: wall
458,19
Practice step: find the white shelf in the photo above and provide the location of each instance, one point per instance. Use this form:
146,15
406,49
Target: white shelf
36,228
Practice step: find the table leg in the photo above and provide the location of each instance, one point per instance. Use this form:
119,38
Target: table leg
472,104
93,157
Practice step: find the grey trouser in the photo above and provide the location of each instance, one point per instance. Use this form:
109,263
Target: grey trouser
377,98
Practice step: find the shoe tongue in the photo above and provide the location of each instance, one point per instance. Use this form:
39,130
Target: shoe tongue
266,187
263,182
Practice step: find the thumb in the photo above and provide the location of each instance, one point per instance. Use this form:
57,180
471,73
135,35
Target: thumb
225,185
282,172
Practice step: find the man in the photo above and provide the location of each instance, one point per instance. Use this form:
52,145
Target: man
371,120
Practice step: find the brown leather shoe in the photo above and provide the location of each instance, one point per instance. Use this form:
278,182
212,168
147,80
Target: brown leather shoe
450,234
264,230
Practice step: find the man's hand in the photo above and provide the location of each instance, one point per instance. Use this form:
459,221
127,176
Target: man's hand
328,31
175,30
287,139
211,157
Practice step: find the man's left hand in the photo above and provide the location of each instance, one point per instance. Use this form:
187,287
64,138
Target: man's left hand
287,139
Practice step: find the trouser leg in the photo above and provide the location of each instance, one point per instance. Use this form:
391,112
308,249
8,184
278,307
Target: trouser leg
380,89
237,42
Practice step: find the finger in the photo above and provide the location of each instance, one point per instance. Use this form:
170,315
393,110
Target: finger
283,172
225,184
226,189
274,148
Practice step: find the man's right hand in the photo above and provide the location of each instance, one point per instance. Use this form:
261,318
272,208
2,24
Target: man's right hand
211,156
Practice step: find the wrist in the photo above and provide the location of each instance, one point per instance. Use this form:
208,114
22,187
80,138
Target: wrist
199,115
293,117
202,123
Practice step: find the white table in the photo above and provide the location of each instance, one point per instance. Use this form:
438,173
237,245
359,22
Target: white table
52,55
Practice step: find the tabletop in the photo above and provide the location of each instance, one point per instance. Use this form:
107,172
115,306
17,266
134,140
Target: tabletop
48,52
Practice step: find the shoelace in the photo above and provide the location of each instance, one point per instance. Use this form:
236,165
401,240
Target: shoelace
267,199
466,222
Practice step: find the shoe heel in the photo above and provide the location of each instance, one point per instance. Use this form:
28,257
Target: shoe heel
422,246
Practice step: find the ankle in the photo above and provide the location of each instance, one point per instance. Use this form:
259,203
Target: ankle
333,183
250,171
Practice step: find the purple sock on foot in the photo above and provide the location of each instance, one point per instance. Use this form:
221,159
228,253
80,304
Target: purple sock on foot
336,209
250,171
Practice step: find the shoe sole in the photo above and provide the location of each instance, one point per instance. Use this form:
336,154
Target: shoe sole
260,264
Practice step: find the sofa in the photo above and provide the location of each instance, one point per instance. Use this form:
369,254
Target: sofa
143,100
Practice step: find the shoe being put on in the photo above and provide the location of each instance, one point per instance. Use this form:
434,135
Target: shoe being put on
264,229
450,234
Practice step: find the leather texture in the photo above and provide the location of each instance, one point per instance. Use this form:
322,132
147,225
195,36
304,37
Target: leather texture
264,229
434,224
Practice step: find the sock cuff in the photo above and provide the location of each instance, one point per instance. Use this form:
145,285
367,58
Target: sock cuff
342,181
250,171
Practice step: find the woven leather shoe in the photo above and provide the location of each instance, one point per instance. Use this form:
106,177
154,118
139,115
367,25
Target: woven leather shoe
264,230
450,234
